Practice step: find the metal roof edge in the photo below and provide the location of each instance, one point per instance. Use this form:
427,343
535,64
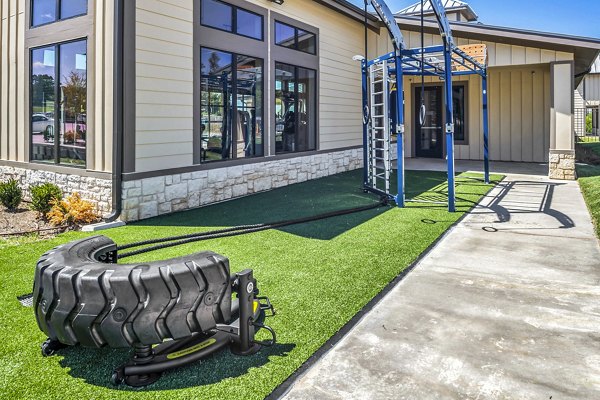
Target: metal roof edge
517,33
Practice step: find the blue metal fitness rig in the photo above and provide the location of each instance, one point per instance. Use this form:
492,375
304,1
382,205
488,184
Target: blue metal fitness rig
383,105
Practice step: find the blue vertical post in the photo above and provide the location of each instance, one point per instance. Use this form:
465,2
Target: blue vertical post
365,107
486,133
449,128
400,198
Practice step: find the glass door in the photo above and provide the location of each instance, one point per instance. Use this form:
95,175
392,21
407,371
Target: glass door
429,135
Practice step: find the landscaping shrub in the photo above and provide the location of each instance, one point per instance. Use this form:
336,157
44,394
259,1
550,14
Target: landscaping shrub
11,194
72,211
42,195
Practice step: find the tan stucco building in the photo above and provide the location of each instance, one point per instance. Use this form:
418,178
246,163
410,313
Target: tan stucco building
170,105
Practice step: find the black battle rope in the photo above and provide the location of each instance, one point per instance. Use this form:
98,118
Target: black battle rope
235,231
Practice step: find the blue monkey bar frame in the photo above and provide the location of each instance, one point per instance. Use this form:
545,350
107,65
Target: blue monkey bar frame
428,61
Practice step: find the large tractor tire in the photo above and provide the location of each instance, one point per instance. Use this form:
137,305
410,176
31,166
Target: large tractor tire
81,296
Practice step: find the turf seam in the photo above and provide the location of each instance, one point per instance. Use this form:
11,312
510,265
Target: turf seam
286,385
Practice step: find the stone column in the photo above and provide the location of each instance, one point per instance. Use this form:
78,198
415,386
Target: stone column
562,141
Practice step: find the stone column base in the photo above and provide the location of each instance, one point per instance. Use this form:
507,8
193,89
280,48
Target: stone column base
562,164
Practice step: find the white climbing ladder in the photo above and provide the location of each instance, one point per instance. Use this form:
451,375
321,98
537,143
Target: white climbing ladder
379,136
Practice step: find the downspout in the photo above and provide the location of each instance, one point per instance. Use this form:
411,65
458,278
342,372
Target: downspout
118,121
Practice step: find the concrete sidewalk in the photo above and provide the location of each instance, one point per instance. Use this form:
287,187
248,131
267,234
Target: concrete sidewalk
507,306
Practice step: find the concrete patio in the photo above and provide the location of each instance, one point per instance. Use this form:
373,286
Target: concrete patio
506,306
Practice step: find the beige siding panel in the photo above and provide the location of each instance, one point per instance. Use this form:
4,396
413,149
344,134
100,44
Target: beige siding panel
164,84
539,118
4,78
12,84
533,56
515,116
495,115
150,163
475,119
547,105
518,55
22,153
527,116
102,75
503,55
548,56
505,113
592,87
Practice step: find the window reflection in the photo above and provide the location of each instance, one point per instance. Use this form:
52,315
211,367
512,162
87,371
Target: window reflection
47,11
295,108
59,106
230,129
43,12
43,100
307,42
217,15
72,8
285,35
458,104
73,102
295,38
249,24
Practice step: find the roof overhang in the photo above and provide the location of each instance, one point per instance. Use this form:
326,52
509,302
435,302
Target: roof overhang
353,12
585,50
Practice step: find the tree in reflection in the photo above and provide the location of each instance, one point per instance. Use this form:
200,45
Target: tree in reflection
74,103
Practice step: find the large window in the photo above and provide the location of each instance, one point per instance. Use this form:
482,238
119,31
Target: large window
231,106
295,108
295,38
219,15
48,11
460,114
59,103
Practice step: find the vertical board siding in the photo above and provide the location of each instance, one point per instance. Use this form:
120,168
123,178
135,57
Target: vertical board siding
592,88
519,120
164,84
14,84
103,81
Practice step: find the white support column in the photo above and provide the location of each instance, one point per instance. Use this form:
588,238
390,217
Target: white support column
562,141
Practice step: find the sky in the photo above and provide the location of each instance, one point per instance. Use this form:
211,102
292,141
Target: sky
573,17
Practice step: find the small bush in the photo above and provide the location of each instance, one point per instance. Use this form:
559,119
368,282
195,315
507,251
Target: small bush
42,195
72,211
11,195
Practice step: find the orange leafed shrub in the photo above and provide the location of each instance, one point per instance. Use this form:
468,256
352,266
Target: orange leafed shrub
72,211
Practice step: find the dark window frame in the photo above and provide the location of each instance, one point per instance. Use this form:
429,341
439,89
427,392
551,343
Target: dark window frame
296,36
297,121
465,86
234,79
57,101
57,12
234,21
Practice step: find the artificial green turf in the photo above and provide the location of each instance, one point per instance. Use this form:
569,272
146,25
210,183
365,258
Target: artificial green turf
318,275
589,181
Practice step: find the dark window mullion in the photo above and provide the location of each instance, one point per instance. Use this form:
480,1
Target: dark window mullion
295,38
57,104
234,19
234,117
296,107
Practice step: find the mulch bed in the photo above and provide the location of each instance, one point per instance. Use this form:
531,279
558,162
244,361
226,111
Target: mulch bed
24,222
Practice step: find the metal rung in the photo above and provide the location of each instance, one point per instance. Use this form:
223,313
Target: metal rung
377,116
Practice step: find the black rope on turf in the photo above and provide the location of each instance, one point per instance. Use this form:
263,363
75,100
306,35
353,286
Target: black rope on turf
173,241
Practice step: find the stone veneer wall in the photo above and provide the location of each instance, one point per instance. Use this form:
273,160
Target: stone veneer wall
150,197
562,164
97,191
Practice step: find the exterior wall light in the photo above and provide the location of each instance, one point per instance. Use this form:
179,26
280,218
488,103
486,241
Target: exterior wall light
278,1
